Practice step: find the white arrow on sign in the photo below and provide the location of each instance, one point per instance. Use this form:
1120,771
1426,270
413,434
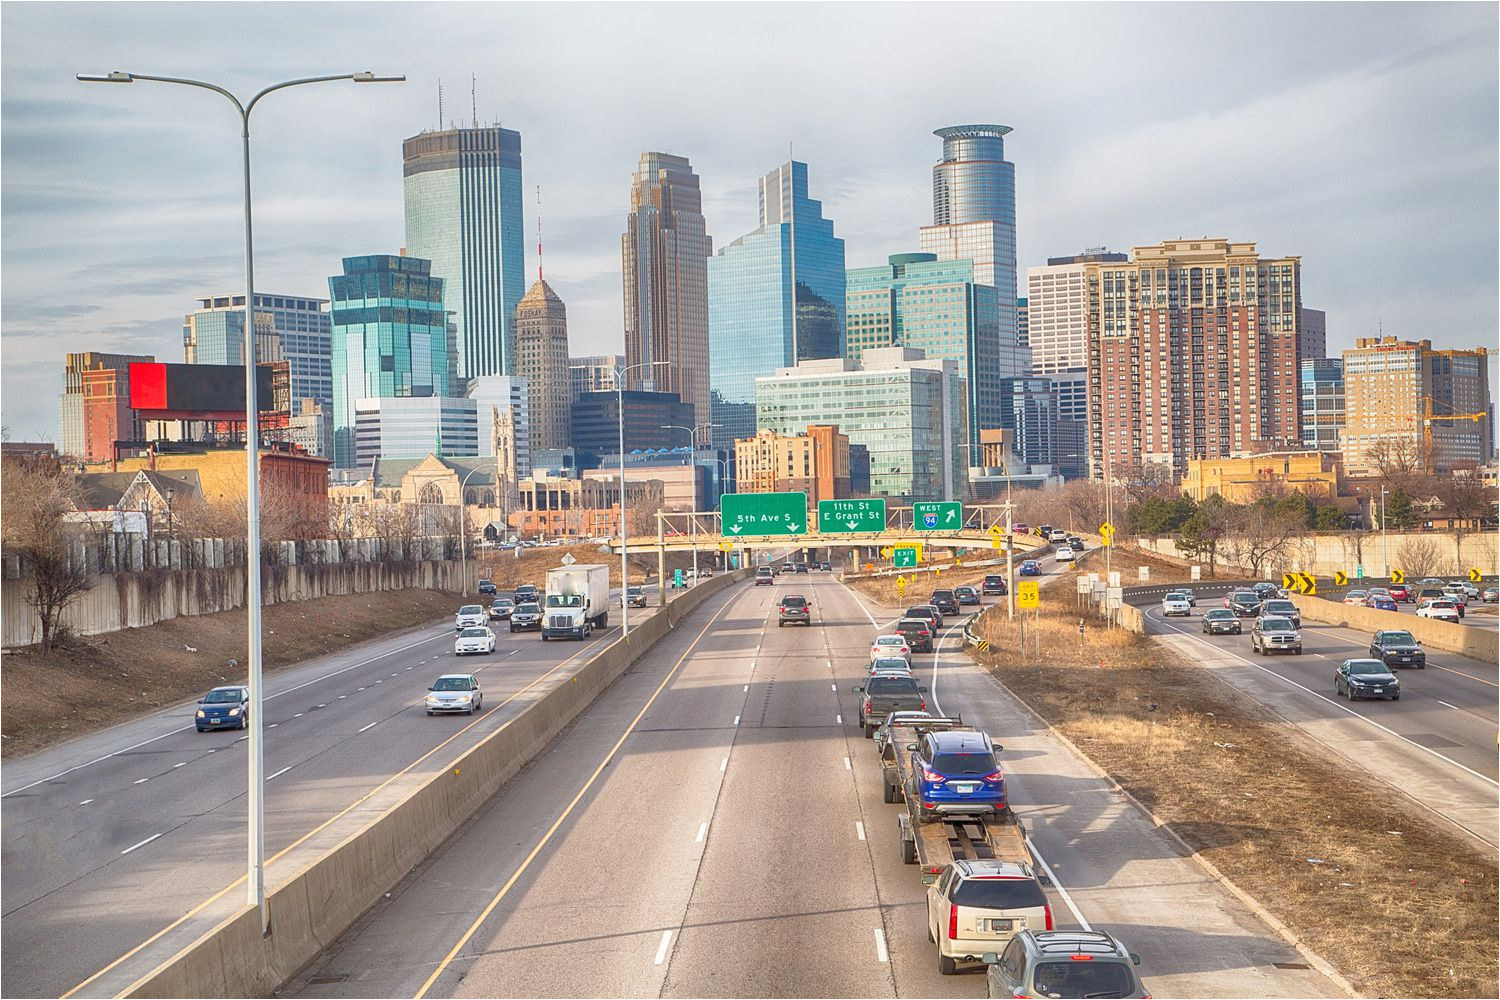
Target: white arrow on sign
951,514
735,528
792,525
852,523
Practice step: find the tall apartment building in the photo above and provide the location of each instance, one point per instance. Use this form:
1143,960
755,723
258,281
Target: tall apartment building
80,434
390,339
409,427
542,360
1322,382
302,333
594,373
665,251
910,412
462,192
1312,331
1030,408
1193,353
1397,394
753,325
1057,315
815,462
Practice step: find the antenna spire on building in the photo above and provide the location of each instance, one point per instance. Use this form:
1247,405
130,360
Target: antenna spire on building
538,232
440,105
474,99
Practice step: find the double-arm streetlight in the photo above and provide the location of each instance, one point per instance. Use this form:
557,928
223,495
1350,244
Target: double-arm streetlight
255,875
693,466
463,511
621,371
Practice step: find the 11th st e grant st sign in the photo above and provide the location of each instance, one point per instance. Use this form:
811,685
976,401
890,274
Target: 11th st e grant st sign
753,515
846,516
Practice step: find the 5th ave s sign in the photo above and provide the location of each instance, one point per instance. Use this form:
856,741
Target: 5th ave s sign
756,515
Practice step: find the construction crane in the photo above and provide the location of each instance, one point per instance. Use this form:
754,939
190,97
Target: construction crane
1429,418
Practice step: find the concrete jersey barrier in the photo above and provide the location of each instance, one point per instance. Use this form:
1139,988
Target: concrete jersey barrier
1481,644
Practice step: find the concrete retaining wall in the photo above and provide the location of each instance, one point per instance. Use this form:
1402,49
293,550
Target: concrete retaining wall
309,911
1321,555
1480,643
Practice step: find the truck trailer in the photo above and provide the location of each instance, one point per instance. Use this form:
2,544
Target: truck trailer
577,601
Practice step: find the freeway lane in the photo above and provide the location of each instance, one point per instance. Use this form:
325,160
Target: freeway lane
713,826
143,822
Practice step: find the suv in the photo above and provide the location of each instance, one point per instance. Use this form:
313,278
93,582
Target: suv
1075,543
887,693
635,597
917,632
993,584
765,576
793,610
1275,635
944,601
1400,592
1057,535
931,613
955,774
527,593
487,587
1244,603
1397,648
1280,607
967,596
1063,964
526,617
975,907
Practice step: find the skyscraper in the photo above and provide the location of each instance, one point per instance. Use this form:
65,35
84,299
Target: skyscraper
1057,311
1322,382
1393,387
665,251
542,360
463,213
753,328
78,435
390,338
974,215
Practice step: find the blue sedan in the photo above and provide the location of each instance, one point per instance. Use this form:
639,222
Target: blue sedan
1381,602
224,708
1031,568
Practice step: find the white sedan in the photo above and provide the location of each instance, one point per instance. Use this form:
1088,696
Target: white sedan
1176,604
1064,554
478,639
454,693
889,645
1439,610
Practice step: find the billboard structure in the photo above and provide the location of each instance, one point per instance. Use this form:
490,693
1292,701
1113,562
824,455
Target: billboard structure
210,394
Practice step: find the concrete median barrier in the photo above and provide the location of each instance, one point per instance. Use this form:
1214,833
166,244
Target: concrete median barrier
313,907
1479,643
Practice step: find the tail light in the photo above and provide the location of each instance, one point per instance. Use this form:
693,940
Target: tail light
922,705
1082,958
996,778
932,776
952,922
1047,908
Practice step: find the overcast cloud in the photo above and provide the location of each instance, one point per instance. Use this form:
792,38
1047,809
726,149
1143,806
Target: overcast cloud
1359,136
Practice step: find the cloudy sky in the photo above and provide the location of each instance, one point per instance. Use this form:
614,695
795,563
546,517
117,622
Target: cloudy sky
1359,136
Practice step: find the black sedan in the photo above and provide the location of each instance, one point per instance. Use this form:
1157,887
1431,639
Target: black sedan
1366,679
1243,603
1221,621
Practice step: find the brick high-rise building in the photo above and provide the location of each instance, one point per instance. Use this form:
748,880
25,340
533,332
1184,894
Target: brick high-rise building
107,399
542,360
815,463
1193,353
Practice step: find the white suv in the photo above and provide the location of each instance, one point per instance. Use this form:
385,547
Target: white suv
976,907
1175,604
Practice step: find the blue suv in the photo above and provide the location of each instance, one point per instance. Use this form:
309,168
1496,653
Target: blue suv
955,774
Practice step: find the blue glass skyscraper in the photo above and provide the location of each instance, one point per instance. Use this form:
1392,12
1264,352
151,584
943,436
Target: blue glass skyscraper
753,328
463,213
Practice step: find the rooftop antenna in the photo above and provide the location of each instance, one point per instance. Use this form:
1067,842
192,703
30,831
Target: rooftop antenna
440,105
538,232
473,99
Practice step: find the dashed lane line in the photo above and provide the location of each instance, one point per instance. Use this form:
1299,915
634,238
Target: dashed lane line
141,844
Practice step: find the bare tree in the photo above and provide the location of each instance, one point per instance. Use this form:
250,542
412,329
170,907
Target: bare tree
1418,557
1397,460
1084,500
1147,479
1262,535
1465,498
35,498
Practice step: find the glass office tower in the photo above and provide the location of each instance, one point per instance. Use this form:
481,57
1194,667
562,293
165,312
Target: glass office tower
462,190
752,326
390,338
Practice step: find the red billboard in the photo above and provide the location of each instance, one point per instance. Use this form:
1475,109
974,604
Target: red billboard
196,392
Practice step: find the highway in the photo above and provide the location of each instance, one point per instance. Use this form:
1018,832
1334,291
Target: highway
713,825
1437,744
110,837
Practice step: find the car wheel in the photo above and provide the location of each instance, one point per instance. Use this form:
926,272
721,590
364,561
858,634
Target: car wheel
869,731
929,934
544,636
1395,697
946,965
429,715
909,857
199,728
1298,650
889,790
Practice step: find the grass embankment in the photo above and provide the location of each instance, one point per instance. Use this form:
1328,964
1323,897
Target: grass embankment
1398,903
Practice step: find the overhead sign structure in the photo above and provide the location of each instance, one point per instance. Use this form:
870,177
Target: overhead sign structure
753,515
1397,576
1028,594
904,558
846,516
1474,575
1340,578
1107,533
943,515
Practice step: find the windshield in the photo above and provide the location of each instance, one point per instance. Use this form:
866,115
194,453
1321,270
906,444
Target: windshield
892,685
564,600
529,608
1367,667
920,611
978,764
1275,625
636,591
1219,613
941,595
1094,978
474,633
470,609
451,684
912,624
999,893
230,696
889,640
505,602
1397,639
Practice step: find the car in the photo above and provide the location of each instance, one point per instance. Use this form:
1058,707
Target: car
1280,607
800,567
945,601
1381,602
967,596
1057,535
975,907
225,707
527,592
1439,610
826,566
890,644
500,609
1366,679
1244,603
1380,590
1275,635
917,632
1075,543
706,573
1031,568
890,665
1064,553
470,615
1021,528
765,576
1044,530
793,610
1266,590
787,567
1175,604
1398,648
1430,581
526,617
454,693
1459,596
1490,595
1063,964
487,587
955,774
1429,594
887,693
994,584
1221,621
474,640
928,611
1355,596
635,597
1402,593
883,731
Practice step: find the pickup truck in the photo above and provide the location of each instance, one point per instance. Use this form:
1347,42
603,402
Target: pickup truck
886,694
577,601
1275,635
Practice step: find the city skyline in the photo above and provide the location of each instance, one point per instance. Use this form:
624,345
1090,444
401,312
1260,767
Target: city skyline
91,266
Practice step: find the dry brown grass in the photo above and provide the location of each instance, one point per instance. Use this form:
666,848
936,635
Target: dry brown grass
884,588
1400,905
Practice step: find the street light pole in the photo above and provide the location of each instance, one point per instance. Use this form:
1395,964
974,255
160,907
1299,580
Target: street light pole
255,889
1385,554
692,465
620,372
463,559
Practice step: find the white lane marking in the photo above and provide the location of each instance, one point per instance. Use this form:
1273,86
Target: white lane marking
242,739
834,688
324,705
1320,697
747,688
859,828
1442,702
273,725
702,832
141,844
395,675
1072,906
85,802
838,720
848,764
723,764
357,692
370,726
736,720
937,656
279,773
342,697
181,764
408,668
140,781
881,954
513,652
382,681
861,604
661,950
297,716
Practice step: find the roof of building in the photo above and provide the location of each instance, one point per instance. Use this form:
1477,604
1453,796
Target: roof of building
389,472
540,291
102,490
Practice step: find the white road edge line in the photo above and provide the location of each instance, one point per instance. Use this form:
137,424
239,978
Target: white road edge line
881,955
661,949
279,773
848,764
736,720
702,832
724,764
1442,702
85,802
859,828
1072,906
370,726
141,844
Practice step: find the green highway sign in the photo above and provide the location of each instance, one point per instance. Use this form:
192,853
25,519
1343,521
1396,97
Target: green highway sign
754,515
945,515
903,558
851,515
